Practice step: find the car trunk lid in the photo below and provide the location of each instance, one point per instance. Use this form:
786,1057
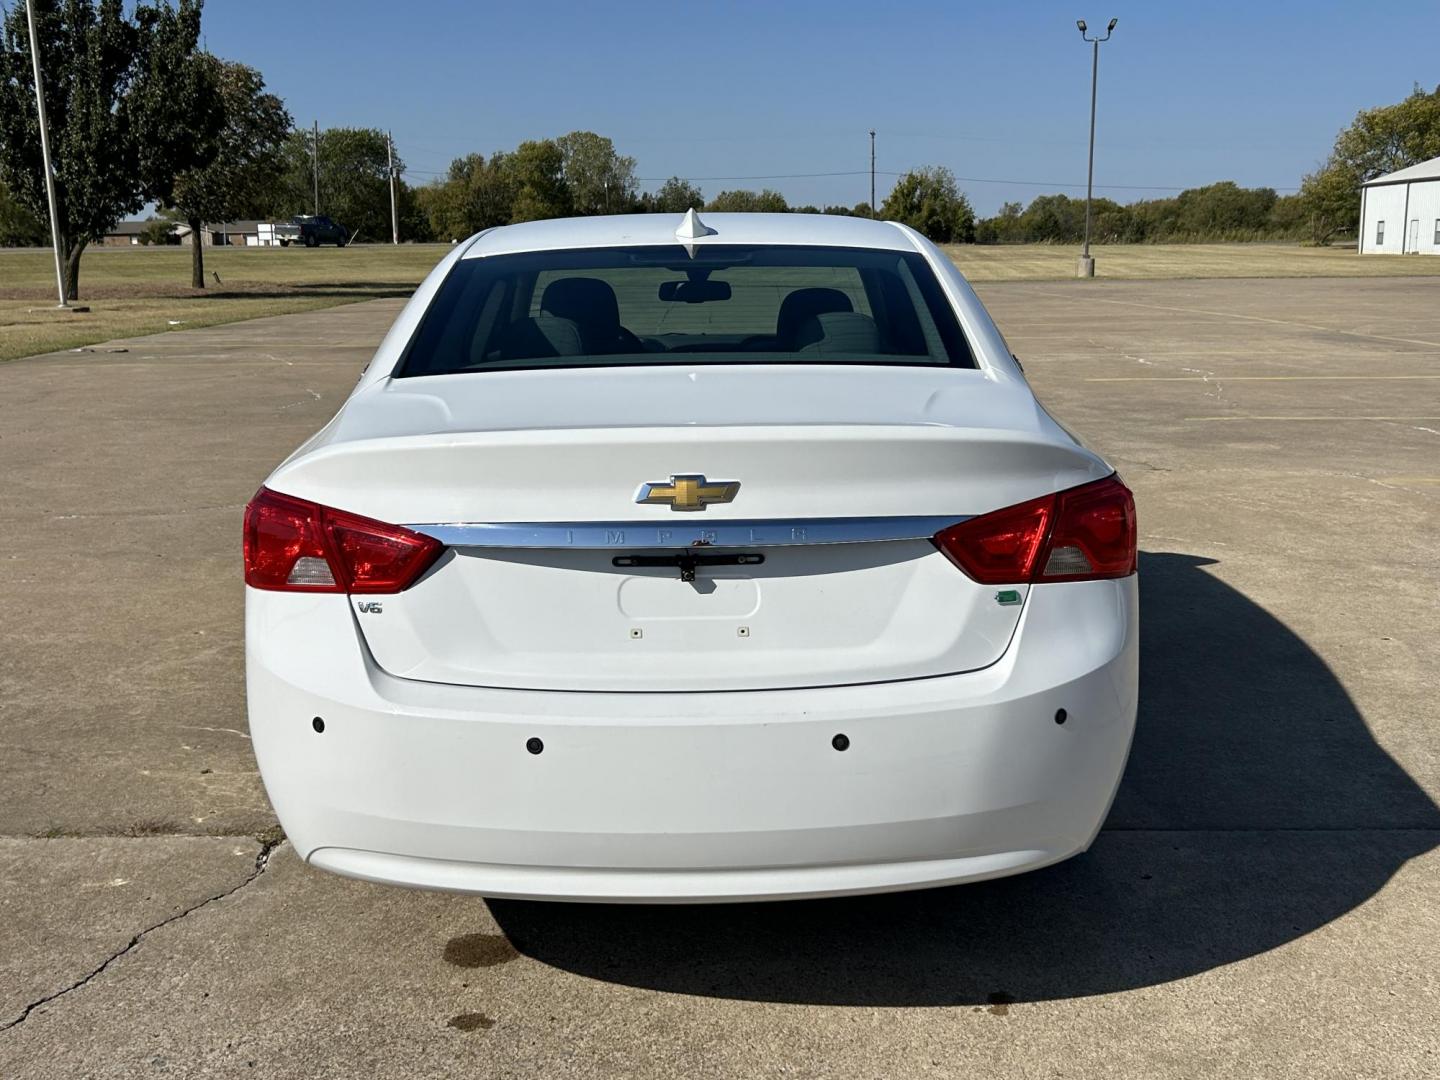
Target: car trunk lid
819,571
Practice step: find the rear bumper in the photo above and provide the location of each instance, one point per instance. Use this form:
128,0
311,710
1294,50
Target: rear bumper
695,797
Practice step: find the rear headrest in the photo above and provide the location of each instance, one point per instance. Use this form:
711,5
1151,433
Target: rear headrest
542,336
837,332
803,304
588,301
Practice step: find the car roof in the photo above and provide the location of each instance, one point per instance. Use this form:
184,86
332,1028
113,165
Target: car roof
640,230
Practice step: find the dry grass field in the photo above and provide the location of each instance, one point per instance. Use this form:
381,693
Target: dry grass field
1038,262
143,290
134,291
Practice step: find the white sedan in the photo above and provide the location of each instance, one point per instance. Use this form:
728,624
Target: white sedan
659,559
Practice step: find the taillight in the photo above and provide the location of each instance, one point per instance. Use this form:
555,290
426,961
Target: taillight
299,546
1082,534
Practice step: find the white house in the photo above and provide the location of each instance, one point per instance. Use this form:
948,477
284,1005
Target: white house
227,233
1400,212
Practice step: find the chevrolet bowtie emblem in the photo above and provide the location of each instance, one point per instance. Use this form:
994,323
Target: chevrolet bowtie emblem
688,492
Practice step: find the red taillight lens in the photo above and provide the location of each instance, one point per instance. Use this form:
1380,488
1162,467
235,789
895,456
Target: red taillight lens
295,545
1094,533
1081,534
999,548
285,545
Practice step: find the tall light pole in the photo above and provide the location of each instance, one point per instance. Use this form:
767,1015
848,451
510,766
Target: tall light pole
45,151
1087,264
872,172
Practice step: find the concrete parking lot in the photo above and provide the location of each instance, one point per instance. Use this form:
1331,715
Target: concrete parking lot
1263,901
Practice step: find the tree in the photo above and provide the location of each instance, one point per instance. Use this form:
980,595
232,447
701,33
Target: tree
1378,141
1287,216
930,202
749,202
18,226
176,106
537,172
106,75
677,196
1391,137
1005,227
158,230
1054,219
473,195
414,222
600,180
1222,209
246,155
1115,224
1330,197
354,179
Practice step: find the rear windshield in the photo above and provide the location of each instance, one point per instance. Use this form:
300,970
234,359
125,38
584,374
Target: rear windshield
615,307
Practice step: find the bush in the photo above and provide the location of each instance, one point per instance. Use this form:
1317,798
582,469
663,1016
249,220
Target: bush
930,202
159,231
749,202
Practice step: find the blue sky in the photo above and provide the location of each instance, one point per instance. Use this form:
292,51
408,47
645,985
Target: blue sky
1189,93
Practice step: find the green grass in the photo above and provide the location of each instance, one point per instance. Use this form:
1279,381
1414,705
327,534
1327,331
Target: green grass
139,290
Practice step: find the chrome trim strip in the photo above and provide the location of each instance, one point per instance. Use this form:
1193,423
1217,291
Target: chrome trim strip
606,535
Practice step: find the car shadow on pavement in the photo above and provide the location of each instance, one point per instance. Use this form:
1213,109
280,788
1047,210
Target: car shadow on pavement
1256,808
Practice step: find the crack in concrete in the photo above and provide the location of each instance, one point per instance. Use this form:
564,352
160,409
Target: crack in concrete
262,859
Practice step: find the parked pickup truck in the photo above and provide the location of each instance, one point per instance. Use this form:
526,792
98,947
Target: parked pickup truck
312,231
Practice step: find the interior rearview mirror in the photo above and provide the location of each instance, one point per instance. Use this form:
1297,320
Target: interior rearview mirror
694,292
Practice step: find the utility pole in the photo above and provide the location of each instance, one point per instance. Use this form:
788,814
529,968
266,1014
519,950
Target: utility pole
872,172
45,152
315,160
390,163
1087,264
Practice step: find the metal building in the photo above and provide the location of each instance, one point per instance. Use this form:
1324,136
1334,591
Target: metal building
1400,212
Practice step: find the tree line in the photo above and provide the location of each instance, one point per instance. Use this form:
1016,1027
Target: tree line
1327,206
573,175
1220,211
582,173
